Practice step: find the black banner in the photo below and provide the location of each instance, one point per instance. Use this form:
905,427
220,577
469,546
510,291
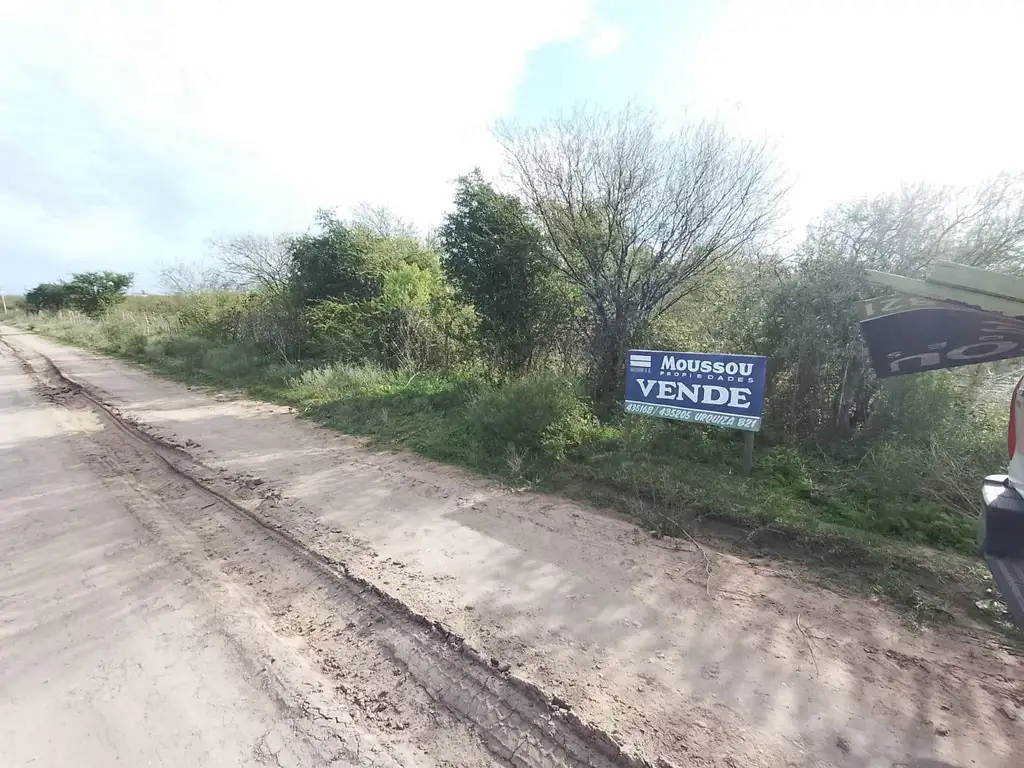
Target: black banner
909,334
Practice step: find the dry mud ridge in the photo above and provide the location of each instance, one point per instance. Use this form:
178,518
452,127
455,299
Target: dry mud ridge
202,579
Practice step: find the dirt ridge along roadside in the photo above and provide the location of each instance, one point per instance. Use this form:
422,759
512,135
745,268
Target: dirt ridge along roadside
518,722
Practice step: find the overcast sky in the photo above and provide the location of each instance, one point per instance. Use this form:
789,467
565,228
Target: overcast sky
130,132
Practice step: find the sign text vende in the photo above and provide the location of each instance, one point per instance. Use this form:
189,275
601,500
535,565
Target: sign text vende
719,389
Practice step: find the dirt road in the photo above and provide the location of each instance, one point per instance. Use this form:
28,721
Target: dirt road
142,622
549,625
106,653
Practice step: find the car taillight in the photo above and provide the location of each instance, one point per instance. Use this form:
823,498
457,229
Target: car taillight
1011,432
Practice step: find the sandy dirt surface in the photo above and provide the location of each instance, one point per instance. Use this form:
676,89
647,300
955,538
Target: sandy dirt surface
106,655
751,667
142,624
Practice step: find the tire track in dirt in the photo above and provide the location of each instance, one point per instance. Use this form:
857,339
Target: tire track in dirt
397,666
591,609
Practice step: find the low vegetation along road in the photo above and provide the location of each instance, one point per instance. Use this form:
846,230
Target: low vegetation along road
189,578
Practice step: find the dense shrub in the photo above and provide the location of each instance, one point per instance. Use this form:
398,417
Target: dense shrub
47,297
545,415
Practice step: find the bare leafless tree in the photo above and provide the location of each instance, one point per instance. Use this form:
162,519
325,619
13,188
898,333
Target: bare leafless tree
993,232
382,221
190,277
633,213
254,261
907,232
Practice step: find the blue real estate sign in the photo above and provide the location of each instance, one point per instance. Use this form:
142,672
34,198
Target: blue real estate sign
722,390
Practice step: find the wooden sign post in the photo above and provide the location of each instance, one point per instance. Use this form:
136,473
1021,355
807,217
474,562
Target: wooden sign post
748,453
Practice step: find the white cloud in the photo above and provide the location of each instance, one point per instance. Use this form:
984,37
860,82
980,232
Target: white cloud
132,130
860,97
604,39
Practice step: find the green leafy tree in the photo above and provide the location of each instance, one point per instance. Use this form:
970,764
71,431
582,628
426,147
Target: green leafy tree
332,264
348,263
370,291
496,259
48,297
95,292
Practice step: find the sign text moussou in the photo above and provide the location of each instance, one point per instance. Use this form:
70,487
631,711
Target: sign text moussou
721,390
